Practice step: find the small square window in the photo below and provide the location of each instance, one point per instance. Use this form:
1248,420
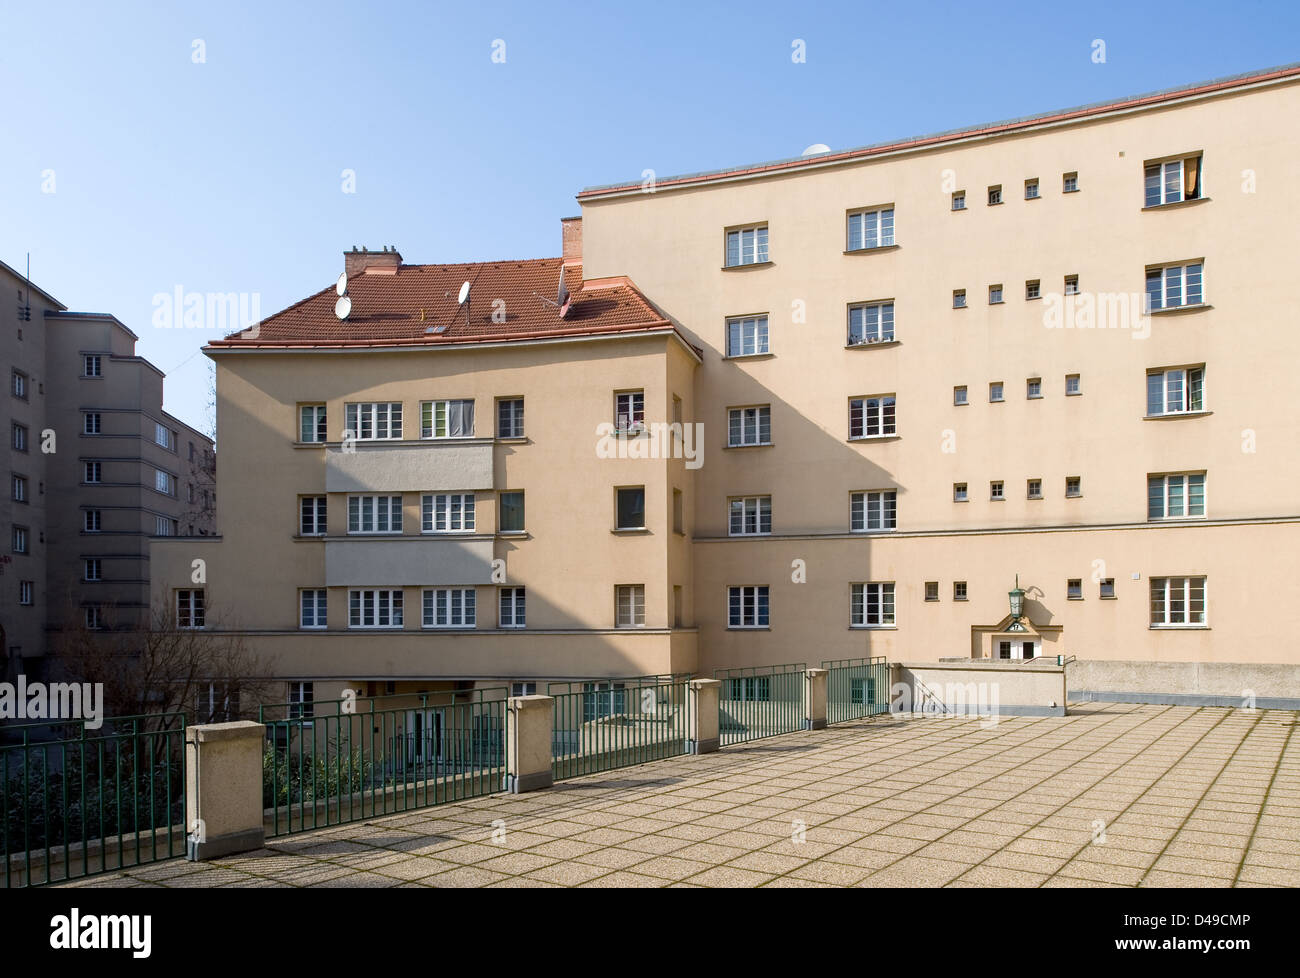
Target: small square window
1071,285
995,391
959,395
959,200
959,492
931,590
1074,589
1072,384
1072,487
1034,387
959,590
995,490
1069,182
1034,489
1031,189
995,294
995,195
1107,588
1033,289
959,298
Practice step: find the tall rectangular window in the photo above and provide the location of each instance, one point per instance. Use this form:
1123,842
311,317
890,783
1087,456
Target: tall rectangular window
311,516
92,365
375,608
749,426
164,482
871,229
20,384
164,437
311,422
1171,286
448,607
1178,390
20,437
511,608
301,696
18,484
629,602
26,592
871,604
374,514
629,410
1177,601
447,512
871,322
747,607
750,516
93,472
374,421
510,417
747,336
92,520
91,423
1171,497
189,608
447,419
94,569
873,510
512,512
165,526
312,605
747,246
630,508
871,417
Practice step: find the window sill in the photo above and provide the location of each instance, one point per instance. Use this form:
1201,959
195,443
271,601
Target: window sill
997,302
633,531
1075,496
1176,519
448,628
749,628
1074,191
870,251
512,533
747,536
873,628
1107,597
1033,397
512,440
858,438
1074,393
1186,307
869,344
875,532
744,267
748,356
758,444
1178,628
1078,598
1175,204
962,306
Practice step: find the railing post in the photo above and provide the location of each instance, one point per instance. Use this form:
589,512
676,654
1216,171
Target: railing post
702,716
814,698
223,789
529,764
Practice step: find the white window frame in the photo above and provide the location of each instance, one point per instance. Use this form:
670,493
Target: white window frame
449,607
92,520
629,410
959,298
1182,590
874,229
20,437
747,336
873,506
960,492
191,608
26,593
861,597
20,384
312,425
1186,378
385,508
510,417
95,469
749,606
745,246
629,606
1033,388
447,418
164,526
313,608
19,486
92,365
752,423
371,609
164,437
999,388
1179,486
1073,389
447,512
319,510
1171,181
93,569
512,607
871,322
1078,489
92,423
752,514
1175,291
877,416
164,482
373,420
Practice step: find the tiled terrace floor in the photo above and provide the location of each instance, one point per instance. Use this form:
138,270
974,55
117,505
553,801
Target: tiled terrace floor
1111,795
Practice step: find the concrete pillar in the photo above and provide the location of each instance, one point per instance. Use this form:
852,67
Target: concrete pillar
814,698
528,747
223,788
702,705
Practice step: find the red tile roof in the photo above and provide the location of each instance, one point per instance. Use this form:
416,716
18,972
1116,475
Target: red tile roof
404,307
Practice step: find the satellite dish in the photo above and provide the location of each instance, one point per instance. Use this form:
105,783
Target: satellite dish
341,286
343,307
464,294
816,148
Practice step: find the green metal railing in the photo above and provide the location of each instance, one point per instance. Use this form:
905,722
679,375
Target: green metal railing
856,688
80,802
758,702
602,724
336,761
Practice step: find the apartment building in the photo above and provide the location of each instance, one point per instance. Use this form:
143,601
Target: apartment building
95,468
1015,391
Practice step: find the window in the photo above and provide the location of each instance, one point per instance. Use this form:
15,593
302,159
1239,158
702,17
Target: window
959,492
630,506
91,520
995,195
374,514
447,419
1069,182
1074,589
1177,601
931,590
1033,289
447,512
629,605
26,592
93,569
1106,588
449,607
1031,189
871,604
20,540
750,516
871,229
312,608
872,417
164,437
375,608
1034,387
749,426
1178,390
1072,487
959,590
959,395
749,689
747,246
93,472
301,696
871,322
510,417
1171,181
374,421
747,336
959,298
189,608
995,294
959,200
523,689
629,411
215,703
1072,385
995,391
164,526
873,510
20,438
20,384
679,511
1173,497
603,700
91,365
1174,285
94,618
311,423
512,608
512,512
747,607
995,490
1071,285
164,482
311,516
19,488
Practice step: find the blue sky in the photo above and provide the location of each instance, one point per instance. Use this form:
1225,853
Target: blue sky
227,175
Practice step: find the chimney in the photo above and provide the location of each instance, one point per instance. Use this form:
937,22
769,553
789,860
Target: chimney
571,238
359,261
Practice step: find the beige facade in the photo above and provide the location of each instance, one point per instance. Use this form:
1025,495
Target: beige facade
1059,471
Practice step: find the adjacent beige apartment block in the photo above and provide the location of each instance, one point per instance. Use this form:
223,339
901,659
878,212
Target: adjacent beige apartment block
1052,353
